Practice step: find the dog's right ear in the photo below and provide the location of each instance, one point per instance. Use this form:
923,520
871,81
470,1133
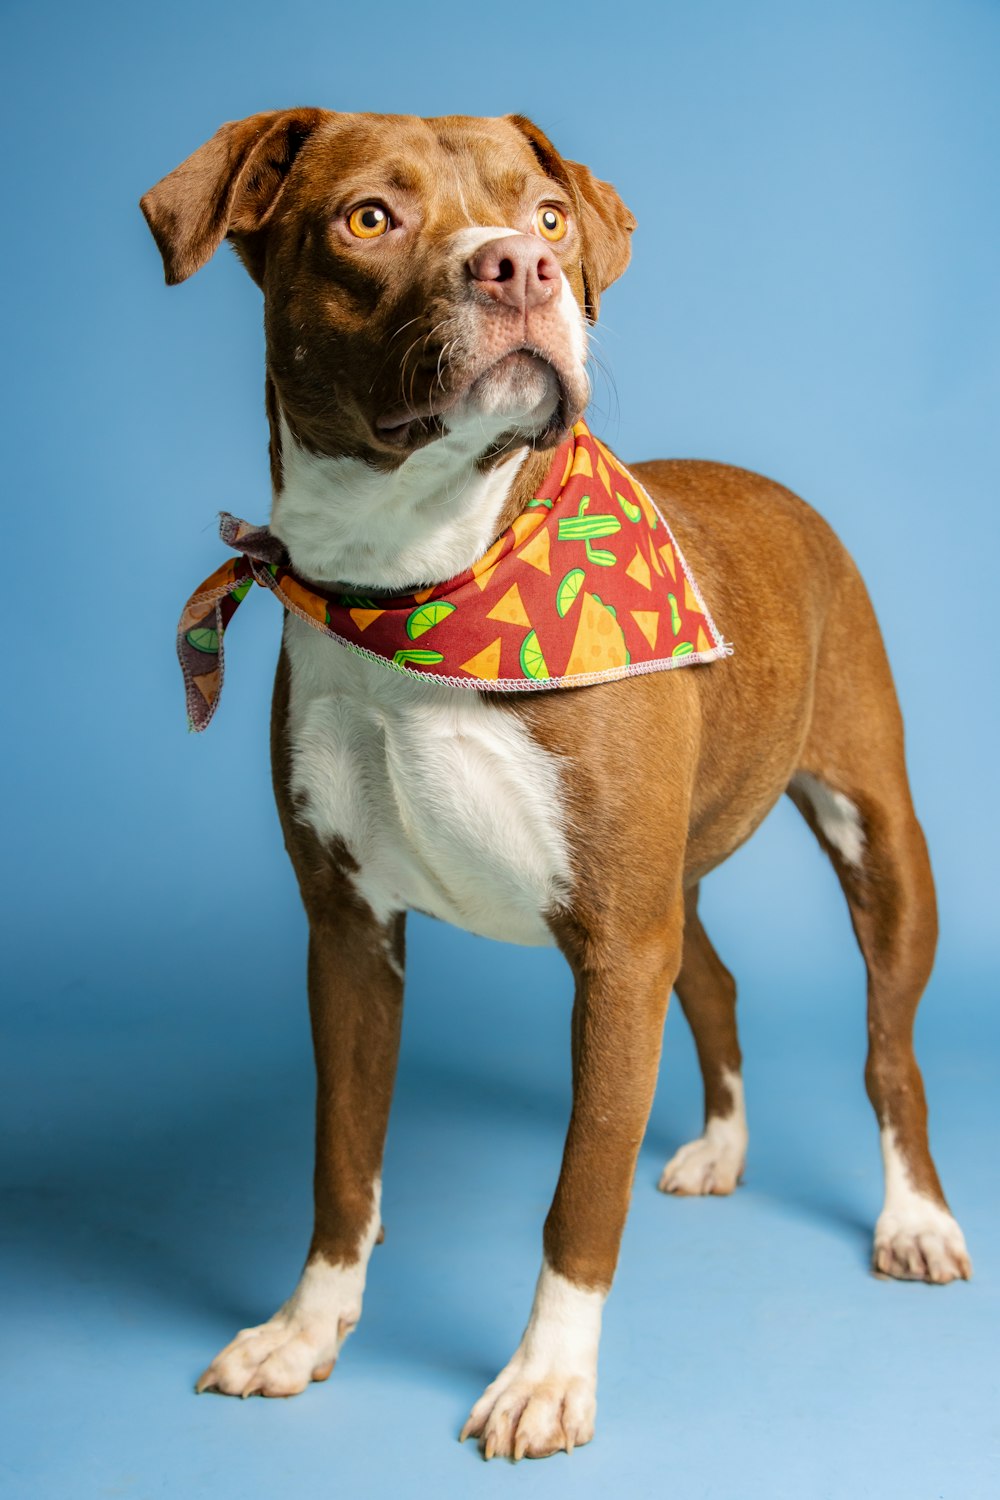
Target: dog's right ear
227,188
606,224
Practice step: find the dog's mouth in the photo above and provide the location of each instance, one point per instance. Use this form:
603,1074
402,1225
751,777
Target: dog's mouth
524,391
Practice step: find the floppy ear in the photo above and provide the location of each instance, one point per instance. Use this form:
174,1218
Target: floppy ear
605,222
607,228
228,187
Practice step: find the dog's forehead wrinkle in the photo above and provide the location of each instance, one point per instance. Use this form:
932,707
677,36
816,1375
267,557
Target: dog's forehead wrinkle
454,170
507,194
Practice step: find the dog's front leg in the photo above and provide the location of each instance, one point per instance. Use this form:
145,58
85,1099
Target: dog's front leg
545,1399
355,1001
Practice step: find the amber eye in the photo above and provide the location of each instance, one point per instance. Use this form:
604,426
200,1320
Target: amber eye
368,221
551,222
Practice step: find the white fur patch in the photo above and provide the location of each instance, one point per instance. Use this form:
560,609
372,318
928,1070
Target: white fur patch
576,323
837,816
303,1339
714,1162
465,242
916,1239
428,520
545,1399
445,801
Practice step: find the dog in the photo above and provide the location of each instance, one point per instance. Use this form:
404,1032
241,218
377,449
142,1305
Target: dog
427,287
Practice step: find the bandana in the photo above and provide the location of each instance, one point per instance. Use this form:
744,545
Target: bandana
587,585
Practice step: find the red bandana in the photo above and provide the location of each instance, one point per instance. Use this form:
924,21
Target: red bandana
586,586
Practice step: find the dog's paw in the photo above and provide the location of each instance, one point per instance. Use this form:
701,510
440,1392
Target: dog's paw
299,1344
711,1164
276,1359
519,1416
921,1243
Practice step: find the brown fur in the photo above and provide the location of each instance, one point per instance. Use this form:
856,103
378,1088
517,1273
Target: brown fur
712,748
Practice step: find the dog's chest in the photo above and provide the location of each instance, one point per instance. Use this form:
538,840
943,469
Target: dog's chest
444,800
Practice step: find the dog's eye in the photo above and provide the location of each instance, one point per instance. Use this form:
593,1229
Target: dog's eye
368,221
551,222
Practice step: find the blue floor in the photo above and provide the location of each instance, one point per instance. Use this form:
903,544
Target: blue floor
158,1199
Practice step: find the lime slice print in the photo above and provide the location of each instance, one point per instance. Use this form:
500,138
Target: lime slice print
417,657
204,638
675,614
241,590
532,660
629,507
568,591
683,648
426,617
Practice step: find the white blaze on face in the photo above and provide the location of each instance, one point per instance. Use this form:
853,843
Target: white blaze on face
521,390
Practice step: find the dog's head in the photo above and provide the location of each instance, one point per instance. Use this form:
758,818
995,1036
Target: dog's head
417,274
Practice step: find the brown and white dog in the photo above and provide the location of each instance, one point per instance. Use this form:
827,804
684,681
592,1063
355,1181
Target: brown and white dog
427,287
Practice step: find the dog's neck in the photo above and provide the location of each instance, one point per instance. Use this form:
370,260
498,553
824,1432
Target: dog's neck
345,522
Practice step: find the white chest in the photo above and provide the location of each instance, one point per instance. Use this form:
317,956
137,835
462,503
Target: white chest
445,800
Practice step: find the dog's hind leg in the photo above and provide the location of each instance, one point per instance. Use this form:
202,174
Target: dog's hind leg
852,789
707,991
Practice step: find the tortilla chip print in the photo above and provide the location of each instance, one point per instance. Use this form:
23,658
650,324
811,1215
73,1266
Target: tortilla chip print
587,585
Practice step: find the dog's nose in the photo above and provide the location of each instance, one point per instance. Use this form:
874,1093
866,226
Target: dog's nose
516,271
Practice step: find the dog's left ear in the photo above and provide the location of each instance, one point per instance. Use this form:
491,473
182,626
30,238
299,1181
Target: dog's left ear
605,223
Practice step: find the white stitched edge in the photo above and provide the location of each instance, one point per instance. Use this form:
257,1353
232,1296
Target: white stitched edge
212,599
508,684
696,591
722,648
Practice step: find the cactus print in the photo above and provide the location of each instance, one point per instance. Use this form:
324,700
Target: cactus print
587,585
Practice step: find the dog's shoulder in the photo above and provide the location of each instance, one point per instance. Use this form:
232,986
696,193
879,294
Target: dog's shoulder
735,525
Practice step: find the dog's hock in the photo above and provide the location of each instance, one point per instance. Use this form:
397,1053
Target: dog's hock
227,188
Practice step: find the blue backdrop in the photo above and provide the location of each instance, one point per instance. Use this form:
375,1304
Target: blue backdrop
814,294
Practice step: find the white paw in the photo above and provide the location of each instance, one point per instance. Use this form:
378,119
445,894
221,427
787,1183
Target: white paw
521,1416
920,1242
711,1164
277,1359
299,1344
545,1400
